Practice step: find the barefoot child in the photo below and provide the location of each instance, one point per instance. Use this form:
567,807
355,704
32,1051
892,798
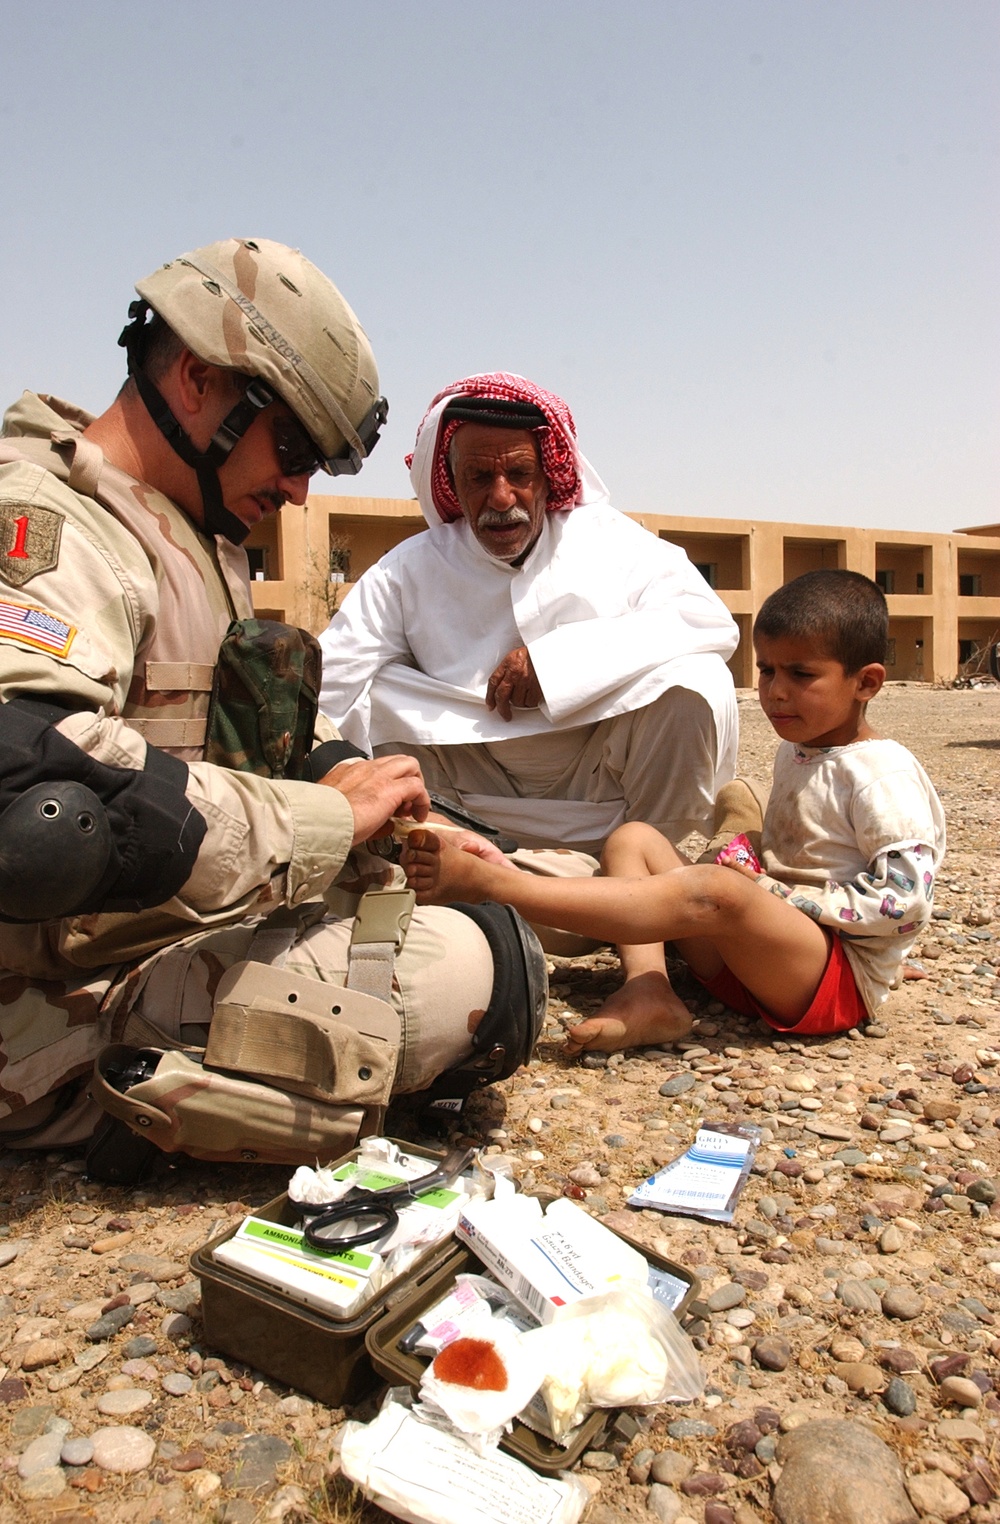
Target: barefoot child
852,839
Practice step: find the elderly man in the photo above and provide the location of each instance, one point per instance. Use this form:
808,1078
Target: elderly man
137,865
554,667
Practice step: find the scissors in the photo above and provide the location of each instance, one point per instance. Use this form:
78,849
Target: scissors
362,1216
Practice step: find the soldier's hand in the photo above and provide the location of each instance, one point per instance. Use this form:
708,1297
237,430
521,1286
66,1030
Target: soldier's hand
514,684
378,790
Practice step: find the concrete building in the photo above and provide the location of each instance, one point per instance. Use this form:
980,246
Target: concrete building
943,590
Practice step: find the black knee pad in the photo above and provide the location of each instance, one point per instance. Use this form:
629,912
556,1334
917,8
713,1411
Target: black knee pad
507,1033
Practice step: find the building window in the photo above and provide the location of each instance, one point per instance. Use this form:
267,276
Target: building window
886,580
967,649
890,651
709,570
257,557
340,563
970,585
920,582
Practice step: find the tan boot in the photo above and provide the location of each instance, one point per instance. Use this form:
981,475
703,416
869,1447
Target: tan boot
739,810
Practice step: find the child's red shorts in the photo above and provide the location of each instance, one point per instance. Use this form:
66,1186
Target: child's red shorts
837,1005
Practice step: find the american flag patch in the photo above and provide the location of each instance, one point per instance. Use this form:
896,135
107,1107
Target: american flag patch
34,627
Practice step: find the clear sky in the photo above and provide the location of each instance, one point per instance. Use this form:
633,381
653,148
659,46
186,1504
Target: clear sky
752,242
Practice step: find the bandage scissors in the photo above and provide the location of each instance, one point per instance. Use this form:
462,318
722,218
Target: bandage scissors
362,1216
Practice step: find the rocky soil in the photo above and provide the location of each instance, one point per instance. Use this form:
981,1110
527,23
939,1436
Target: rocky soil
849,1321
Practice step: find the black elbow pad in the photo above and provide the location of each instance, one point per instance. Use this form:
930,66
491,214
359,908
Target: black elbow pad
78,837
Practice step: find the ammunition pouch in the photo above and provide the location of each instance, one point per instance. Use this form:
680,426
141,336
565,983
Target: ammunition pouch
265,696
295,1070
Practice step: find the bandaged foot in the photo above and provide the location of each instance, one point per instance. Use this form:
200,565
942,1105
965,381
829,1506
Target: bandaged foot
644,1011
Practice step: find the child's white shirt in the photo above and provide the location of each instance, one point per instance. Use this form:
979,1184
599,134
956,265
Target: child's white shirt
853,836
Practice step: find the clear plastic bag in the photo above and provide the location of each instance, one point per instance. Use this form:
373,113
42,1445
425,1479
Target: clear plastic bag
622,1349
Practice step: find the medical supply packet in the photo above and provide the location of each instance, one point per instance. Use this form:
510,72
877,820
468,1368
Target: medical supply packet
550,1259
426,1475
708,1178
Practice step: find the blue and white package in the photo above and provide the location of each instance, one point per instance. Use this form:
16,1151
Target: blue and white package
707,1179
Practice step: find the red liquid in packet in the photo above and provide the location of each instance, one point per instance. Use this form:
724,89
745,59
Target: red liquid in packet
741,849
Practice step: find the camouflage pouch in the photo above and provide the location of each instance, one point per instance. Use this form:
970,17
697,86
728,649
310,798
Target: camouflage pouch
264,699
295,1070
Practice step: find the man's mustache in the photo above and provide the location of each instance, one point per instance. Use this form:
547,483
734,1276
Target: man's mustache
492,517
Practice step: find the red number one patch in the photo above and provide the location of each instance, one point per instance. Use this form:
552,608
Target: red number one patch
17,549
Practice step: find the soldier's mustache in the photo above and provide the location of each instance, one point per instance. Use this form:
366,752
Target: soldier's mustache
491,517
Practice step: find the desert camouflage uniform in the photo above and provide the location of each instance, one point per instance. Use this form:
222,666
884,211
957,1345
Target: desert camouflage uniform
111,600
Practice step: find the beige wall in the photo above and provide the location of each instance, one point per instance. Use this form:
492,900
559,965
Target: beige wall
750,561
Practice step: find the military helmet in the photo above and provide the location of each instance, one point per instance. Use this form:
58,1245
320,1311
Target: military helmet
252,305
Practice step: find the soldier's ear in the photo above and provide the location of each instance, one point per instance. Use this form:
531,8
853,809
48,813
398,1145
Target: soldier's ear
197,384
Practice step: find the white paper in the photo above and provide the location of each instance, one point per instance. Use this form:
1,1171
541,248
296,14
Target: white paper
419,1473
701,1180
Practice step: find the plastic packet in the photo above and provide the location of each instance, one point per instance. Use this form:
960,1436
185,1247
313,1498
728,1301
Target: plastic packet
708,1178
470,1304
622,1349
420,1472
481,1380
740,850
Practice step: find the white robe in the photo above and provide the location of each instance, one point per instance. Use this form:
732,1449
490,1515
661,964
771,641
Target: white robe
611,616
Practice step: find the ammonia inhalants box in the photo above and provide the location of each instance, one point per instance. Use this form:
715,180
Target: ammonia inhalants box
548,1260
281,1258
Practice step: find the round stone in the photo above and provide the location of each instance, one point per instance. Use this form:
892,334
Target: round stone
177,1383
679,1084
859,1296
139,1348
50,1483
122,1449
78,1451
130,1400
724,1297
860,1377
772,1353
902,1302
900,1398
40,1455
664,1504
932,1493
844,1347
960,1390
671,1467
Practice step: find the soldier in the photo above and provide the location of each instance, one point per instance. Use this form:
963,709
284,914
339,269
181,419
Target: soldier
134,873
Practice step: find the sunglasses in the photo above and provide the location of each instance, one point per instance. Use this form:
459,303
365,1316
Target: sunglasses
297,455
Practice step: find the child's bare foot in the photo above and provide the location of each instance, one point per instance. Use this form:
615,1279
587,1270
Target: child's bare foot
645,1010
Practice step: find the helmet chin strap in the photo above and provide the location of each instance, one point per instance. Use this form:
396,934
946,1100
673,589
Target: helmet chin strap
205,463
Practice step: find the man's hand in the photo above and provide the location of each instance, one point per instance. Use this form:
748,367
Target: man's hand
378,790
514,685
441,874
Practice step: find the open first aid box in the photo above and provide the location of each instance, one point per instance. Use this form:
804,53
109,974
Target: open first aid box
268,1326
338,1359
674,1284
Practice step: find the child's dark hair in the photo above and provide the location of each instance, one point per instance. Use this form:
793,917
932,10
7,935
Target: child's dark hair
842,611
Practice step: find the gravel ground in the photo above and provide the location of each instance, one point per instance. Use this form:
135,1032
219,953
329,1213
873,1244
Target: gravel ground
859,1282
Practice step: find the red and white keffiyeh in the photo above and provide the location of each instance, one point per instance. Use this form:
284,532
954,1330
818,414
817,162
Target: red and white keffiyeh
571,479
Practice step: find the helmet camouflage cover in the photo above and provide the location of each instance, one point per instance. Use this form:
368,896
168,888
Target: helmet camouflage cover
252,305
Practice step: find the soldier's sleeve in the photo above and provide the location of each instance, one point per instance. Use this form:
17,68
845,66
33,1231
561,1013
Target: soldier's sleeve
77,596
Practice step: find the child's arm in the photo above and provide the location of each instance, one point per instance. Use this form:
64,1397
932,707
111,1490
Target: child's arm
891,897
